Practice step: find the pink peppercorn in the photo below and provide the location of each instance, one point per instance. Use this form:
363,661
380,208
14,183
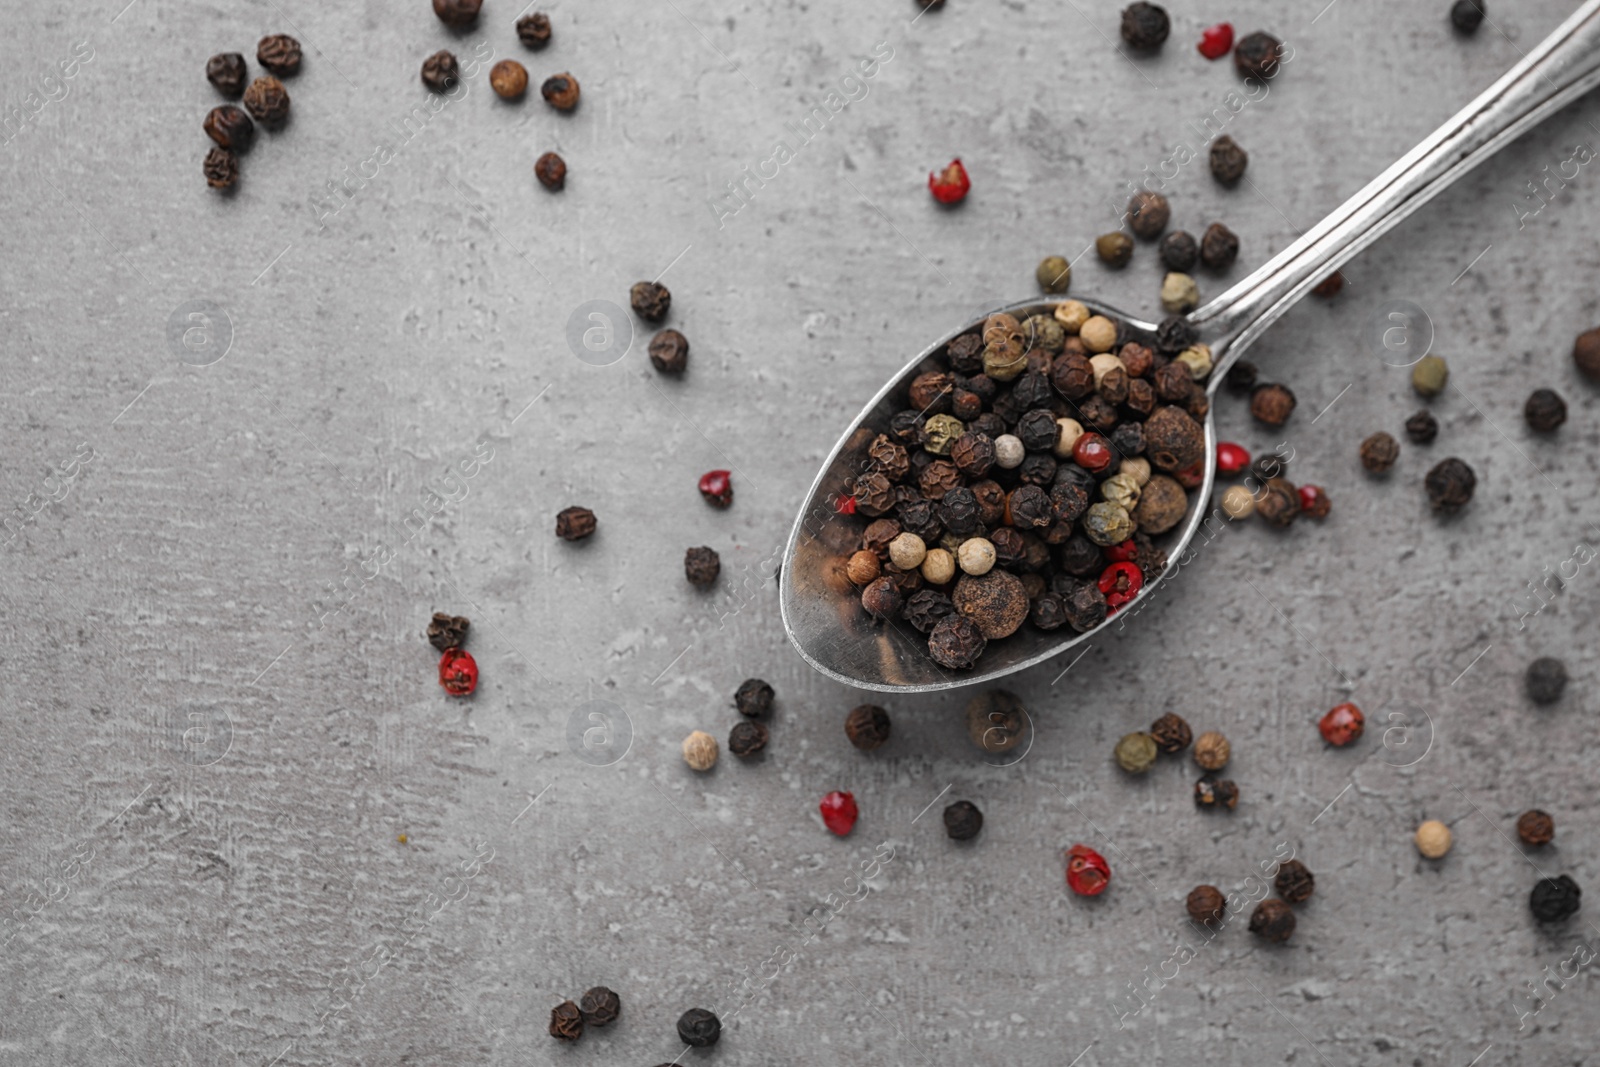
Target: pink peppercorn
1231,458
1217,41
1342,725
1088,873
950,185
839,812
458,672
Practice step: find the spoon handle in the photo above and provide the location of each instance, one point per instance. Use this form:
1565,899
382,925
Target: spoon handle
1562,68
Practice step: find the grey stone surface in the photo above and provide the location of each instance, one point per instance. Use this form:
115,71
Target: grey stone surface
235,799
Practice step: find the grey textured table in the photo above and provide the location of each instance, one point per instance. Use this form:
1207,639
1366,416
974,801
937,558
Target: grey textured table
243,825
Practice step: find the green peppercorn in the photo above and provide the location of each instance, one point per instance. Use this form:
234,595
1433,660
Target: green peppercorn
1054,274
941,432
1136,752
1107,524
1114,249
1428,377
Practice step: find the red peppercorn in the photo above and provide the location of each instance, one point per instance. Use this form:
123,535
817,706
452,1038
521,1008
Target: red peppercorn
1092,453
1342,725
1217,41
1120,583
717,488
1191,477
949,186
839,812
1088,874
458,672
1314,502
845,505
1231,458
1123,553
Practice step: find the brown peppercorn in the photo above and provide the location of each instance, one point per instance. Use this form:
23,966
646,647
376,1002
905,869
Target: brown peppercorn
447,631
551,170
1228,160
534,30
1545,410
574,523
267,101
747,738
1173,440
882,598
863,568
877,536
753,698
560,92
669,352
1211,751
230,127
702,565
1449,485
457,12
441,72
279,53
1137,359
1295,883
931,390
226,71
1171,733
221,168
1219,247
1206,904
1271,403
651,300
1273,921
1072,375
938,478
1115,249
1212,792
1535,828
973,454
890,458
1585,352
995,601
1258,54
1278,502
1379,452
867,727
1148,214
508,79
1173,383
600,1007
1162,505
875,494
1422,428
566,1018
956,642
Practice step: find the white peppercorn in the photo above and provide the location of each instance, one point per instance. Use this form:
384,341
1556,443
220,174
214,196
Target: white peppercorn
1102,365
700,751
976,555
1179,294
1238,502
1067,433
1433,839
1072,314
907,551
1211,751
1121,490
1098,334
1137,468
1197,357
938,566
1008,451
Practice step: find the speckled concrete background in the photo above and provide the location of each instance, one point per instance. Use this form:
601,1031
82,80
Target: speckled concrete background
243,825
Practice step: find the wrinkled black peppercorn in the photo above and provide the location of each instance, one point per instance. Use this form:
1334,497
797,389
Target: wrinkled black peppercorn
1449,485
753,698
963,820
1212,792
1379,452
1205,904
226,71
447,631
600,1006
1228,160
1179,251
1295,882
699,1028
440,71
701,566
1048,612
867,727
1554,899
1174,335
669,352
650,300
1466,15
1546,680
1145,26
1257,54
1422,428
534,30
457,12
279,53
1273,920
1219,247
926,607
1086,607
1171,733
566,1021
230,127
956,642
221,168
1545,410
1148,213
575,523
747,738
267,101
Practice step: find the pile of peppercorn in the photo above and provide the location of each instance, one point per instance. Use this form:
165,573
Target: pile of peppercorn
265,99
1025,482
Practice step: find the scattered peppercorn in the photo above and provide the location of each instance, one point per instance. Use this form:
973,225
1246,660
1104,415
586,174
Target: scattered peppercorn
699,1028
651,301
457,12
1272,404
962,820
1546,680
447,631
600,1006
839,812
669,351
226,71
1148,213
950,185
1295,882
1342,725
1554,899
458,672
508,79
1258,54
1145,26
1466,15
1180,294
560,92
1088,873
716,488
1329,286
753,698
1054,274
1278,502
1170,733
1273,921
279,53
1433,839
440,71
747,738
1216,41
1115,249
1136,752
1449,485
1545,410
1422,428
1211,751
1586,353
867,727
574,523
701,566
230,127
1535,828
1228,160
700,751
1219,247
534,30
1238,502
1429,375
566,1021
221,168
551,170
267,101
1179,251
1314,502
1205,904
1213,792
1379,452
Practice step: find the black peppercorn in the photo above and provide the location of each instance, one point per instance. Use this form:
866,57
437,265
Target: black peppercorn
1554,899
1114,249
1171,733
1273,920
534,30
958,512
230,127
1257,54
702,566
882,598
747,738
574,524
1037,429
1267,467
1536,828
962,820
1278,503
699,1028
447,631
1422,428
956,642
1228,160
1038,468
1466,15
600,1006
566,1021
926,607
221,168
904,426
669,352
226,71
1086,607
560,92
1546,680
753,698
867,727
650,300
551,170
1030,507
1081,558
1174,335
1173,383
1212,792
457,12
279,53
965,353
1219,247
1127,440
1241,377
440,71
1449,485
1379,452
973,454
1048,611
1148,213
267,101
1178,251
1545,410
1010,549
1145,26
1295,882
1205,904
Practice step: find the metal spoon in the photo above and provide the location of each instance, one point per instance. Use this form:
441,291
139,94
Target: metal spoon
822,613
